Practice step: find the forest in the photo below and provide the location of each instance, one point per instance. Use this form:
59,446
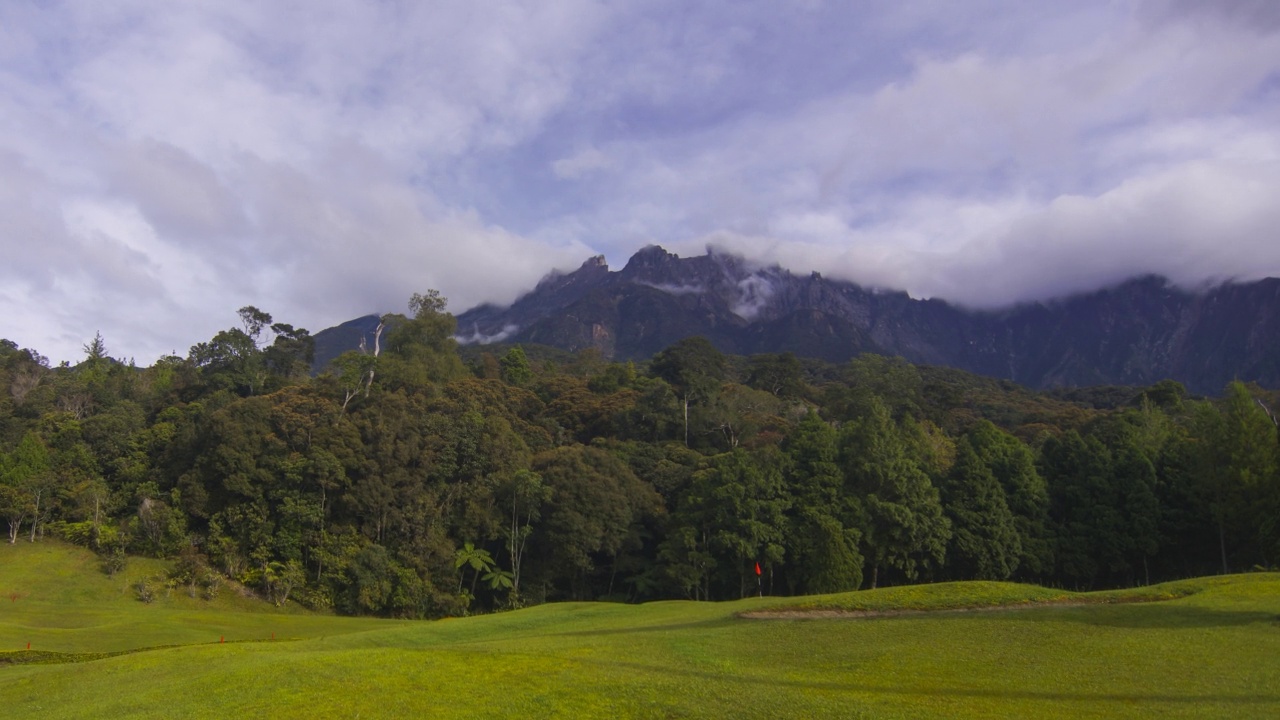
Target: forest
417,478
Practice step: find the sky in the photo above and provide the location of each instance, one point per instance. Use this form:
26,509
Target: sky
163,164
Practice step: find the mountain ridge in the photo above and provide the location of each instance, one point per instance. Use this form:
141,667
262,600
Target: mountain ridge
1136,332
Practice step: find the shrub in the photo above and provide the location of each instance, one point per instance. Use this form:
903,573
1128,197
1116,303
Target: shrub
144,590
114,561
212,584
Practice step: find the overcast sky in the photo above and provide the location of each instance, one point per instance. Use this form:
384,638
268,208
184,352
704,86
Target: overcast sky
165,163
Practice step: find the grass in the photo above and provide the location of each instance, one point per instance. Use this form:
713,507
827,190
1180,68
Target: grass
1211,651
55,598
985,595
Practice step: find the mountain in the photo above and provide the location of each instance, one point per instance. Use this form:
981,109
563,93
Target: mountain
1136,333
332,342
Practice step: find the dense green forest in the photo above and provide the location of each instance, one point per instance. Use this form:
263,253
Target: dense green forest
412,480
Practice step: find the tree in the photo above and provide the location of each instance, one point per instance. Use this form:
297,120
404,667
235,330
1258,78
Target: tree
1238,461
254,321
1013,465
826,553
734,512
16,507
24,479
904,527
814,472
525,495
515,367
280,579
780,375
478,559
893,381
822,540
371,580
230,360
694,368
288,359
1135,482
740,414
420,349
499,579
985,544
1103,507
29,371
354,373
428,304
595,511
96,363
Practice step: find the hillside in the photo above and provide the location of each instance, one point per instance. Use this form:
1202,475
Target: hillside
57,600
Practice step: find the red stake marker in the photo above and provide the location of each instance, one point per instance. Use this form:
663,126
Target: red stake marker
222,638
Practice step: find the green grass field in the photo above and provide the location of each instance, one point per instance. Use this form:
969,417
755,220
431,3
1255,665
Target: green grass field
1212,650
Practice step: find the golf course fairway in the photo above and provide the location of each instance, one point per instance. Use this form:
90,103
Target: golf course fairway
1200,648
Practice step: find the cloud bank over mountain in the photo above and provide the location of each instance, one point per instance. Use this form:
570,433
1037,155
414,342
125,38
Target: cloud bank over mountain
160,166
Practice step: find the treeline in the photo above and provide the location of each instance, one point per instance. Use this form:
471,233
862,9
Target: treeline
409,481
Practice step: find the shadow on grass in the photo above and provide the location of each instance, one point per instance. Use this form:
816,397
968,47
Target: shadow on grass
1159,615
669,627
47,657
954,692
1168,617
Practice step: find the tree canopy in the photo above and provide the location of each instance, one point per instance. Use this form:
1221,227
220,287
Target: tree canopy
404,480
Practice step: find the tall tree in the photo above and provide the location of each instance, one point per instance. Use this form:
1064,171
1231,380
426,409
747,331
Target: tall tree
904,528
1239,462
420,349
822,539
1103,506
734,512
1013,465
23,476
595,511
523,494
694,368
985,543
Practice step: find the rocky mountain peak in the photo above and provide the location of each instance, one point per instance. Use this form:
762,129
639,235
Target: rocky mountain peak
1137,332
651,263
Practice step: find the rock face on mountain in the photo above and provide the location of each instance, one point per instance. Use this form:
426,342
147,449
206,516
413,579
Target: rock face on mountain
332,342
1137,333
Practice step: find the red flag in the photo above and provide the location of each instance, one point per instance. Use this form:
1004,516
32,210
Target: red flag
757,569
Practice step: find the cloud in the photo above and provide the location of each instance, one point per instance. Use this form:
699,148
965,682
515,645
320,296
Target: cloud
583,163
476,337
754,293
997,174
1194,222
672,289
170,165
162,166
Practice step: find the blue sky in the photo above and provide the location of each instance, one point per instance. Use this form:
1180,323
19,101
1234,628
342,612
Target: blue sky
164,163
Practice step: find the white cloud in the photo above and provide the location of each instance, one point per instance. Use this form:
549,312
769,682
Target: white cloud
161,166
168,166
1192,222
